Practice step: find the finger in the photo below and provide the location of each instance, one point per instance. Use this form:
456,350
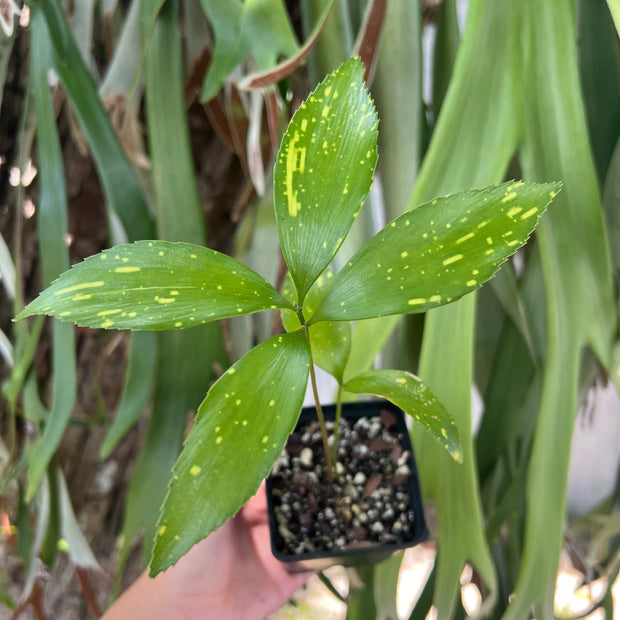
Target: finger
255,511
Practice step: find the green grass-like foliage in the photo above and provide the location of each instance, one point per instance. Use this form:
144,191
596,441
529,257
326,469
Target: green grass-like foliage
323,173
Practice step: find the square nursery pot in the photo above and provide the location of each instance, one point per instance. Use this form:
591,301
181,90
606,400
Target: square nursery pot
372,509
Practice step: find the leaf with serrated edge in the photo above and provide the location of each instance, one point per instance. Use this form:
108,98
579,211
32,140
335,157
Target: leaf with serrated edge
436,253
414,398
155,285
240,430
324,171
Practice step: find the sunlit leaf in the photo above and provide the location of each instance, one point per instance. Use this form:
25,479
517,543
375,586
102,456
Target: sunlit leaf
155,285
240,430
414,398
324,171
437,253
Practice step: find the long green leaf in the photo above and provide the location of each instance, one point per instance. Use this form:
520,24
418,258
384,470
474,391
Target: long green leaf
505,287
504,399
611,202
76,545
335,42
155,285
52,228
385,586
248,413
447,41
122,71
361,600
437,253
453,487
397,89
324,172
173,175
6,48
24,354
486,69
119,181
268,32
6,350
225,18
599,75
7,269
136,389
409,393
576,264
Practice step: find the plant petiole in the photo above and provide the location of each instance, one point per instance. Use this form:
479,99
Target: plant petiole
317,402
337,425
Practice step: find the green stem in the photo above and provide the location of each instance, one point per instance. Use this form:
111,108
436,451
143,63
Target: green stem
337,425
319,410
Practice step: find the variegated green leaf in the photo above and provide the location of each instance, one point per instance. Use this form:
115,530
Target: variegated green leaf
324,172
240,430
155,285
437,253
414,398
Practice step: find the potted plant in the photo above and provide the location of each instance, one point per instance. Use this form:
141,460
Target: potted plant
425,258
369,507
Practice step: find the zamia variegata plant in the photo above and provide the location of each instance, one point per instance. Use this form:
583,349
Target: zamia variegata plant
425,258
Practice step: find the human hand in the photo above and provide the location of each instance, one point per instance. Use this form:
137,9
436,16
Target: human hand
231,574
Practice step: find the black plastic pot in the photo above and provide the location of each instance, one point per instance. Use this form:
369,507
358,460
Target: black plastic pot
366,552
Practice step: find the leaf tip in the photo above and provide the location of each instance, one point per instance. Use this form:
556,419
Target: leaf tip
456,454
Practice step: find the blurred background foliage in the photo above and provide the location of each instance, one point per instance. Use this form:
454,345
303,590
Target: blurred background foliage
133,119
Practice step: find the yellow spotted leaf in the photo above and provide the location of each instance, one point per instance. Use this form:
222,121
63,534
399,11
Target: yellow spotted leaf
436,253
240,430
324,171
155,285
414,398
